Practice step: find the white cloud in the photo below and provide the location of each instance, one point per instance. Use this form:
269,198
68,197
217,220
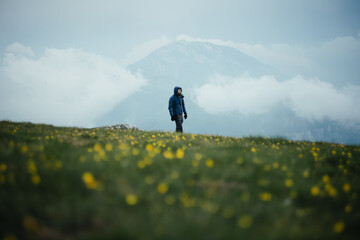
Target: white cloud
19,49
63,86
334,60
310,99
138,52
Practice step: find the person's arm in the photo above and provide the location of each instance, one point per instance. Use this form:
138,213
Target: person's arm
184,109
171,106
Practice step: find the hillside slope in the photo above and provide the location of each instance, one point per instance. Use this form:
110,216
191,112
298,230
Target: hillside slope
76,183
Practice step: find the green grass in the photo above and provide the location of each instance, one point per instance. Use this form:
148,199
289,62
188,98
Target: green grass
75,183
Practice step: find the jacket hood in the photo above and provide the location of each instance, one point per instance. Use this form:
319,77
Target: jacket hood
175,90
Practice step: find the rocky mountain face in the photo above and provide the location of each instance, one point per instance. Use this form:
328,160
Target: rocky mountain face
190,65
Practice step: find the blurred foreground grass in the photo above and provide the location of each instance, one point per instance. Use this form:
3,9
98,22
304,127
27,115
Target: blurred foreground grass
74,183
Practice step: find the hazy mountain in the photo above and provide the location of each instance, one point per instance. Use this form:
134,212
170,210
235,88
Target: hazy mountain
190,64
194,62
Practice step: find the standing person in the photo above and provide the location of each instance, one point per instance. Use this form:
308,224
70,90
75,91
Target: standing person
177,108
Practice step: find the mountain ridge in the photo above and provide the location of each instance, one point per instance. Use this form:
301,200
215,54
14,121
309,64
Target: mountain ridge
199,60
191,64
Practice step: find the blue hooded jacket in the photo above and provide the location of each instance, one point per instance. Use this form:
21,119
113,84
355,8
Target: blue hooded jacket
176,103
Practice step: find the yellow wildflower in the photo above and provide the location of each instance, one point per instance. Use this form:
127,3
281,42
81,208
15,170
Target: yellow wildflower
293,194
170,200
97,147
245,221
265,196
195,163
135,152
228,212
141,164
149,147
339,227
148,161
209,163
31,167
332,192
346,187
174,175
263,182
348,208
180,153
149,179
131,199
198,156
168,154
267,167
240,160
315,191
253,150
3,167
88,177
90,181
157,150
124,147
326,178
24,149
162,188
109,147
209,206
30,224
58,164
289,182
35,179
256,160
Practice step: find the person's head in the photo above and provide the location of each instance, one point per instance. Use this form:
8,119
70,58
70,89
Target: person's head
177,91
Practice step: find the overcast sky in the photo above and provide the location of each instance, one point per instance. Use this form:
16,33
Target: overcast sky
311,38
113,27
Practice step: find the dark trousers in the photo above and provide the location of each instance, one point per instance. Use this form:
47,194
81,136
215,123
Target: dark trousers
179,121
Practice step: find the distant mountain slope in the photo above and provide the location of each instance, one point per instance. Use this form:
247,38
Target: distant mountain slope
191,64
185,64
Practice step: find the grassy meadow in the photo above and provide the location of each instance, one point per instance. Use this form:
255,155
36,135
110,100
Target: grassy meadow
78,183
